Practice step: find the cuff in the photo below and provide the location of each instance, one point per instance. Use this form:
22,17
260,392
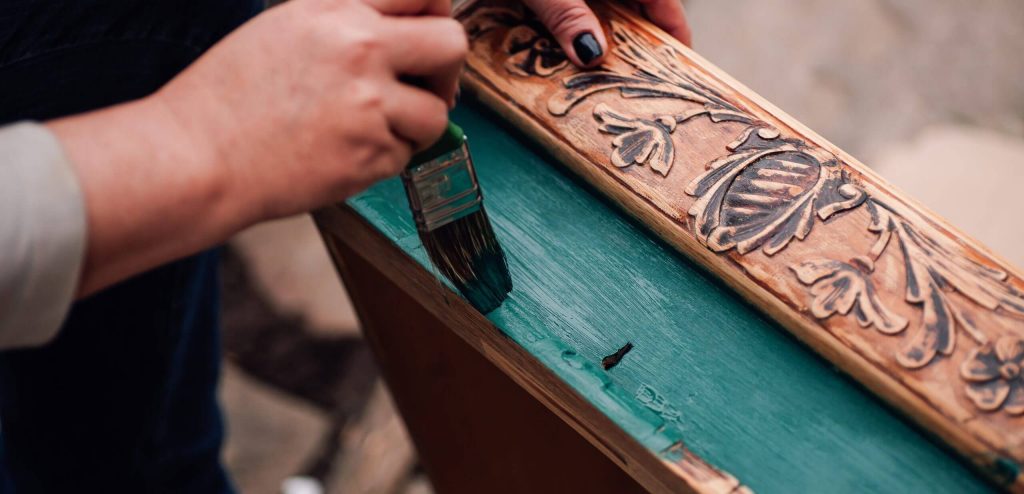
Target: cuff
42,235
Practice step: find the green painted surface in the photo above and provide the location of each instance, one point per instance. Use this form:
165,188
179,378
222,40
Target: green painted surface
706,368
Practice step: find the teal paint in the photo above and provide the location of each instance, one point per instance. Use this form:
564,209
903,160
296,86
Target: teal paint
705,370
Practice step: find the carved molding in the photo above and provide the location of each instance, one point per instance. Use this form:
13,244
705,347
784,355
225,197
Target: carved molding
771,187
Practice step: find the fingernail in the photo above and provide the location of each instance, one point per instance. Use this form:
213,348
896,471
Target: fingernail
586,47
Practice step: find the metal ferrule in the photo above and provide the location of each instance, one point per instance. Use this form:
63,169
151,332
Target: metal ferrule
443,189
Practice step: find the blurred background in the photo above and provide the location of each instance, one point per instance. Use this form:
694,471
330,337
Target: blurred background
930,93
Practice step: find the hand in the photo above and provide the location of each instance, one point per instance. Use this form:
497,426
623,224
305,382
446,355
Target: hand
301,107
307,103
579,32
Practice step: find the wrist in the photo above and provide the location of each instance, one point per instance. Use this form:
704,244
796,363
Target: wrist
194,146
219,144
153,193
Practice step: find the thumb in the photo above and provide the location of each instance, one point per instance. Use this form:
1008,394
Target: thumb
575,27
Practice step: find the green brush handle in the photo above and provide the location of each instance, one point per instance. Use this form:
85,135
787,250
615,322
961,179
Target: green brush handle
452,138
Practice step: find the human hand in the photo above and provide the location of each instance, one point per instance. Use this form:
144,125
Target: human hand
301,107
307,104
579,33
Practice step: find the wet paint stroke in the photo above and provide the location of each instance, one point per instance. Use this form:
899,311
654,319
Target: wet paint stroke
727,386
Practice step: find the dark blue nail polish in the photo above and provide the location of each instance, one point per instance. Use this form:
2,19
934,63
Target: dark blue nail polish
586,47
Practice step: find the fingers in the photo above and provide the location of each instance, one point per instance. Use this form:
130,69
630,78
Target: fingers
669,16
411,7
430,49
575,27
415,115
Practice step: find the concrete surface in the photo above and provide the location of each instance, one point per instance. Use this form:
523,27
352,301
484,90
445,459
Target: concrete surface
272,435
969,175
376,456
867,73
291,269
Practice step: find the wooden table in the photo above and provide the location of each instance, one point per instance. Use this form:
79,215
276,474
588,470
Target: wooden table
712,397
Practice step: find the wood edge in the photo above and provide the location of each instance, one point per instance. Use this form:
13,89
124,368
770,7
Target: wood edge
911,404
643,465
809,135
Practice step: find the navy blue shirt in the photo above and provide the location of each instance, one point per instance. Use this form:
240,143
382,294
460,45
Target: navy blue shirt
124,399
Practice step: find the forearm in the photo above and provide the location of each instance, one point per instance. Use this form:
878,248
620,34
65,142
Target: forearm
153,192
257,129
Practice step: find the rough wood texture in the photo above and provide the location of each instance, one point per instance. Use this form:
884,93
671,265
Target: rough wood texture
491,460
705,372
893,295
475,429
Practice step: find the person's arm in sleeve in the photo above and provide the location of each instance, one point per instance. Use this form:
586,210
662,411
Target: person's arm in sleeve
42,235
303,106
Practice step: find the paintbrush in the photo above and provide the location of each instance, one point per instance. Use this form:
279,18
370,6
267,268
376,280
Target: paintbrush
446,202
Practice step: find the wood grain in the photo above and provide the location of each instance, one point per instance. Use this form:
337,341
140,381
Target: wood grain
922,315
487,434
370,262
705,371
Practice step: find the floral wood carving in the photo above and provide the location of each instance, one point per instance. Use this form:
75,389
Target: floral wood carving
840,287
531,51
993,374
769,190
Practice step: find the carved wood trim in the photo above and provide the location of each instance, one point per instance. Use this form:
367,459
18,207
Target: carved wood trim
905,303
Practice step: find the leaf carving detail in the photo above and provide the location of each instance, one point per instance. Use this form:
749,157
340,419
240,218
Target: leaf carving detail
769,189
934,267
657,74
531,50
842,288
639,141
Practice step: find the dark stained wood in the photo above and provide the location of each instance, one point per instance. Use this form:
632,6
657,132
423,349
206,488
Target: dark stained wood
925,317
475,429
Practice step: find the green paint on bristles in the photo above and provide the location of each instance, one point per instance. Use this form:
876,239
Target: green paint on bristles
466,250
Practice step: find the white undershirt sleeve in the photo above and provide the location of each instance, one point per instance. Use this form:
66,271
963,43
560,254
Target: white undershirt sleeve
42,235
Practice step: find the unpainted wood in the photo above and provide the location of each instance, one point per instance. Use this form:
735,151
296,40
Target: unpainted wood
925,317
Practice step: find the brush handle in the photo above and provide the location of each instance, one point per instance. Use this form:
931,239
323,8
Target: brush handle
451,140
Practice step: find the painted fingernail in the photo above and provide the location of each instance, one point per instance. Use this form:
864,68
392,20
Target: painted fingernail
586,47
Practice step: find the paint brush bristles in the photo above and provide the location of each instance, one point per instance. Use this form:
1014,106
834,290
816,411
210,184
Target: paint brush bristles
468,254
446,202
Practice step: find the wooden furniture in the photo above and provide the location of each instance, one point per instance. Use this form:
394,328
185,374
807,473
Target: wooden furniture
711,396
709,381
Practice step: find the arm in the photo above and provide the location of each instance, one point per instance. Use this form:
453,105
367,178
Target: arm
301,107
42,235
153,193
